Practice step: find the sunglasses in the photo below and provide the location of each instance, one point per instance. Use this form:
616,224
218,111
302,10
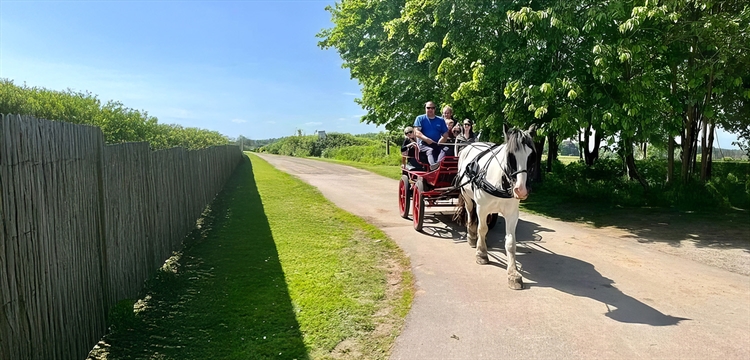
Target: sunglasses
410,132
467,124
427,107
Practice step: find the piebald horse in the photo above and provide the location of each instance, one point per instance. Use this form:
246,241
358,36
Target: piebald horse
492,179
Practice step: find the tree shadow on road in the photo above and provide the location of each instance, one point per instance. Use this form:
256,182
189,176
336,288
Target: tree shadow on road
576,277
710,228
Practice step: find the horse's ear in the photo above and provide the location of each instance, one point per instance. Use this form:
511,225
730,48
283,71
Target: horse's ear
532,129
506,130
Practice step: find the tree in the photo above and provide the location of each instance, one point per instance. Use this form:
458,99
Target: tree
703,49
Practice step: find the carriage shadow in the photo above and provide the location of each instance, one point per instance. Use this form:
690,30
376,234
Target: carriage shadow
576,277
441,225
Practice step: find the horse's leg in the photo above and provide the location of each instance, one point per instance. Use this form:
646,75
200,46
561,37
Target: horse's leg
471,222
515,281
482,258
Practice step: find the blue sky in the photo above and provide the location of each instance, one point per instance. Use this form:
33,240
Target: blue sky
249,68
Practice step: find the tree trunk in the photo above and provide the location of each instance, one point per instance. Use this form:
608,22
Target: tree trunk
582,143
670,160
708,133
539,144
689,132
591,156
645,148
707,151
710,165
552,150
704,152
694,157
627,148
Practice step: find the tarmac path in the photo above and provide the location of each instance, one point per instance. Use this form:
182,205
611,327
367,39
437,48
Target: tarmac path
589,293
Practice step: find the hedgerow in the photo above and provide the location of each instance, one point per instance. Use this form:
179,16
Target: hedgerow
117,122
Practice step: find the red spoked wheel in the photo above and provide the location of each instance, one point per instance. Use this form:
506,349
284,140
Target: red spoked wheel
404,196
491,221
418,204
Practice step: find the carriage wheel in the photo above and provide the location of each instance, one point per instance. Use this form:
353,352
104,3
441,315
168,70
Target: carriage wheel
491,220
418,204
404,196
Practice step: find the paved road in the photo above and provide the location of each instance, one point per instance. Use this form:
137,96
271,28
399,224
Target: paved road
589,293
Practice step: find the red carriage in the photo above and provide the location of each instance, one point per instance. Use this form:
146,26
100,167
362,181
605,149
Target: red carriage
419,189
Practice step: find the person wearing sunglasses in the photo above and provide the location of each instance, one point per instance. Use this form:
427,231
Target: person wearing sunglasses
453,130
410,149
467,135
429,128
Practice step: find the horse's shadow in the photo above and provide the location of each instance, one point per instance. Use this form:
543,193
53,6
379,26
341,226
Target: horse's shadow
573,276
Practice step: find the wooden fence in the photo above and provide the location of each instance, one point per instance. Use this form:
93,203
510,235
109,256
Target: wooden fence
84,224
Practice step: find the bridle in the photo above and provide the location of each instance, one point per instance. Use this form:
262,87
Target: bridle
478,176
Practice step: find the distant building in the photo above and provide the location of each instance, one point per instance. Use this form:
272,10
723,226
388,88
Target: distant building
321,134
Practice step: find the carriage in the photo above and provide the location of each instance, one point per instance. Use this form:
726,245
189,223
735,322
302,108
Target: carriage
485,180
420,189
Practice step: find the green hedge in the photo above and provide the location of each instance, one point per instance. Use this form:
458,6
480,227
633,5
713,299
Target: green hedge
606,182
368,154
117,122
312,145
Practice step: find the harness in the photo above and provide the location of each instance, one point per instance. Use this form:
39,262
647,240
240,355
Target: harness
478,179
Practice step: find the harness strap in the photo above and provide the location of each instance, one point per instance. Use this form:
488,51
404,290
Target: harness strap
477,177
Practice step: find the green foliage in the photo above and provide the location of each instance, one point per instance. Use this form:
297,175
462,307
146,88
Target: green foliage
250,144
312,145
117,122
368,154
606,183
632,71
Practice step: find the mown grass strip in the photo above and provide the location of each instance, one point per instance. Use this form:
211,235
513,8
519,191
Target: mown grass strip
276,271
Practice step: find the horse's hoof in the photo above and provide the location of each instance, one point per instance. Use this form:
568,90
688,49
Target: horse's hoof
483,259
515,282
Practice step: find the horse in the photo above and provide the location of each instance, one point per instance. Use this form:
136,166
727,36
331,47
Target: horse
493,179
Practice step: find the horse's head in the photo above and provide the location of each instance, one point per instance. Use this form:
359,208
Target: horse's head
521,156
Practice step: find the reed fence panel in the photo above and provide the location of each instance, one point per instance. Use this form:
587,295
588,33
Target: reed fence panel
84,224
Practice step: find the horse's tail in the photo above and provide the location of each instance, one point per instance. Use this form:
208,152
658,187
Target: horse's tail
460,216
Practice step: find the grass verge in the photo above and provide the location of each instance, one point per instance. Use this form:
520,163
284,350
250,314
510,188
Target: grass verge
275,271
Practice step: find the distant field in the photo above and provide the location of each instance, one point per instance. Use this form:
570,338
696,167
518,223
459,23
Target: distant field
564,159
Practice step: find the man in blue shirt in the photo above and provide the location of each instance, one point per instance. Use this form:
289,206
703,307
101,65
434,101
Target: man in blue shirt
428,129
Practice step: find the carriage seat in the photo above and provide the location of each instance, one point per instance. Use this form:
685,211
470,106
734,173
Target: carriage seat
410,163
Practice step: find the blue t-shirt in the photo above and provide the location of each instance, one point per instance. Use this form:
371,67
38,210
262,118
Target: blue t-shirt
433,129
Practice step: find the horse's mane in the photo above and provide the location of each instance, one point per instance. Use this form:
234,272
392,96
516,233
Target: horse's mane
516,139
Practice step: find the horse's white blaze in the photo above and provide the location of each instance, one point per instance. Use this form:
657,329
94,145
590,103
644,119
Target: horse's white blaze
519,191
486,203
